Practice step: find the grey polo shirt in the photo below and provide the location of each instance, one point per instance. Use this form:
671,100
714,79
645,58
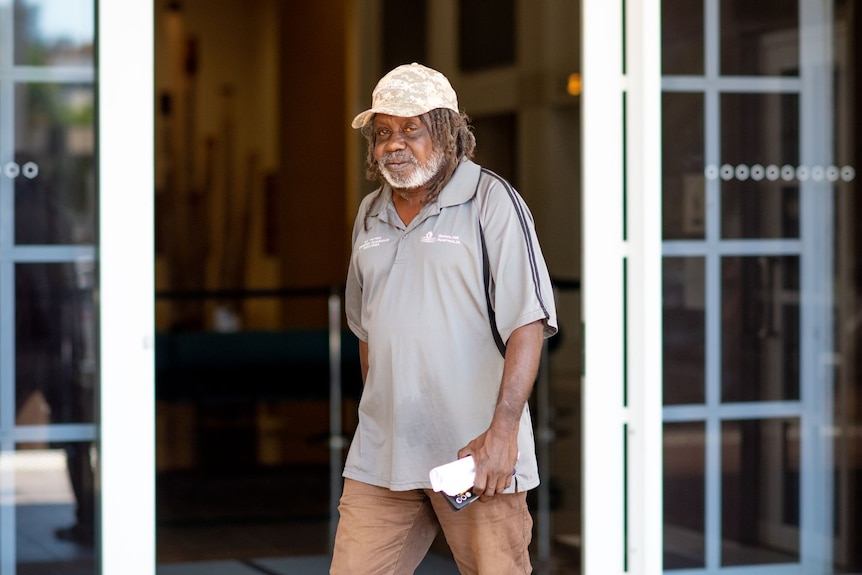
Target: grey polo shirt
416,295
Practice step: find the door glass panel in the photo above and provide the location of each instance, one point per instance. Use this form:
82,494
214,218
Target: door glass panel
684,495
750,33
682,52
760,487
55,341
780,285
55,192
684,206
487,36
759,172
55,508
684,330
400,48
49,382
54,32
760,328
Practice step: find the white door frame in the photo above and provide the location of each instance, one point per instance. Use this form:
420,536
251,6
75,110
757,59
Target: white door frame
621,166
126,286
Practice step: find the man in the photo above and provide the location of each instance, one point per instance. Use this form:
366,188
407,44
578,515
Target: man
449,295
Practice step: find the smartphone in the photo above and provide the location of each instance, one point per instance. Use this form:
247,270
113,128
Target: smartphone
462,500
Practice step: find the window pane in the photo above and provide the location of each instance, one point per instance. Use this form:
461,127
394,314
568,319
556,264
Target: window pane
56,344
487,34
55,509
760,152
759,37
54,32
682,37
760,491
408,43
683,200
760,328
499,137
684,330
684,495
55,199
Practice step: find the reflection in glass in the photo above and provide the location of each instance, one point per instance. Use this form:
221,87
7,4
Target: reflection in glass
760,328
682,38
760,491
54,32
684,330
758,131
684,495
55,508
55,132
683,200
55,337
759,38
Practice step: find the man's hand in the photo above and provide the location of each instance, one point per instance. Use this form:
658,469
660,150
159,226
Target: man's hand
495,456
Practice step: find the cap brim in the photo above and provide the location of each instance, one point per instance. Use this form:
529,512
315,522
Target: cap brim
362,119
402,110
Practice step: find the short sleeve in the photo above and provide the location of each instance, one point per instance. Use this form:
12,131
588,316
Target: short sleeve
521,291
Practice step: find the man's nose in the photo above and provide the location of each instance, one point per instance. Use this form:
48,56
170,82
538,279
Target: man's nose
395,141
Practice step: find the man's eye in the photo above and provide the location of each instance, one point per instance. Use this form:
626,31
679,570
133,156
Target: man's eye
382,133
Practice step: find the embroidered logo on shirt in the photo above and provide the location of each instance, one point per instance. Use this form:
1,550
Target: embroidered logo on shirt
373,242
429,238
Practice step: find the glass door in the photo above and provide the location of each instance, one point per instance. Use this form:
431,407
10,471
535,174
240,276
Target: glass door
759,232
64,456
48,201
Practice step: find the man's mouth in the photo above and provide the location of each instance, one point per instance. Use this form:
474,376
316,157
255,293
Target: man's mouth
398,162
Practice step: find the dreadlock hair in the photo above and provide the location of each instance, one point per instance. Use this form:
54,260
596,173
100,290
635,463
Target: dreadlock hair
450,132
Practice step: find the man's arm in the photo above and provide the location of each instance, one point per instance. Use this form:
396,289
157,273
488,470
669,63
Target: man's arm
495,452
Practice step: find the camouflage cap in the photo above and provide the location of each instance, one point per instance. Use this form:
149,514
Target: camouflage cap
409,90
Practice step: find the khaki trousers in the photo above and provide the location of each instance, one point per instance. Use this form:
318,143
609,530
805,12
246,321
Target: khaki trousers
383,532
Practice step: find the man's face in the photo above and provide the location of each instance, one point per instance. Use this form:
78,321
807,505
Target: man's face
404,151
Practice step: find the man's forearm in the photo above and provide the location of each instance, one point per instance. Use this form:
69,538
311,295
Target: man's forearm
495,451
523,353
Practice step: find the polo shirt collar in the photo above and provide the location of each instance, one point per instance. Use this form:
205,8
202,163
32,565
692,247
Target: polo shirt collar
462,186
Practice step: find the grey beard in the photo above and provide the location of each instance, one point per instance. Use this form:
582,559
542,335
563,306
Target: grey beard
419,176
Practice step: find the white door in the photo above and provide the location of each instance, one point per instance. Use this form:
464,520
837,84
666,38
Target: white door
751,174
759,330
76,417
